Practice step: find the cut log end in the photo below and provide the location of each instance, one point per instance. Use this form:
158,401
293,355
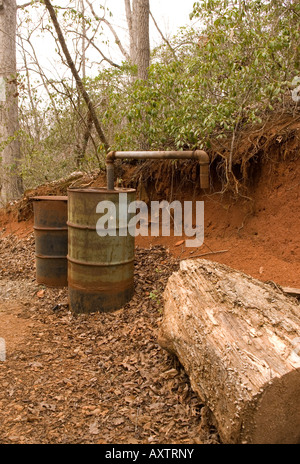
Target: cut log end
237,339
274,416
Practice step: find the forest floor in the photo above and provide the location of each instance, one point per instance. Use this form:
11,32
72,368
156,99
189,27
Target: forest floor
98,378
103,378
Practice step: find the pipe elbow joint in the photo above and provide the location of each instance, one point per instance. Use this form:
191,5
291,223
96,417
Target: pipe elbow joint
202,156
110,157
204,162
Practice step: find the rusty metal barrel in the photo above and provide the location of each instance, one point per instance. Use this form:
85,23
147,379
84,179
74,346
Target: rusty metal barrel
51,240
100,261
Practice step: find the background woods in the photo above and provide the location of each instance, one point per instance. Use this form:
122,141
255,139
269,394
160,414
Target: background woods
231,69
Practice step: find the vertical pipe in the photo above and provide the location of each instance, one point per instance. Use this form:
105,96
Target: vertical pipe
110,173
204,176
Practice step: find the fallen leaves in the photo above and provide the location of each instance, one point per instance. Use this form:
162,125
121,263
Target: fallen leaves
99,378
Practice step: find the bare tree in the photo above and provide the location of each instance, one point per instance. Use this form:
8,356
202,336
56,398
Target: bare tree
10,181
79,83
33,107
163,37
143,41
131,16
137,15
83,40
113,31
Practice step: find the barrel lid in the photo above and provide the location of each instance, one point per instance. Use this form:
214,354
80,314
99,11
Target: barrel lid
51,198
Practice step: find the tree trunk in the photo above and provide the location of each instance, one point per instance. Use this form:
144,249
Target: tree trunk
238,340
131,16
10,180
35,133
83,39
137,15
143,41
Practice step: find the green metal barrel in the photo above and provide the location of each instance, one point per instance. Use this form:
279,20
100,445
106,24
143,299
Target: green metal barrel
100,268
51,240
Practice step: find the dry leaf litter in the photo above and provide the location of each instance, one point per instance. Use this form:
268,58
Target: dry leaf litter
98,378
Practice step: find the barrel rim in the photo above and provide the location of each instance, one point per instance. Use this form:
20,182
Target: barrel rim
101,190
49,198
39,256
50,229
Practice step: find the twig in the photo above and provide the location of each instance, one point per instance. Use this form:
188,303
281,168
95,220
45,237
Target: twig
210,253
163,37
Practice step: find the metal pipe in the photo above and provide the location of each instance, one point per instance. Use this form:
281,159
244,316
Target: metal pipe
110,173
199,155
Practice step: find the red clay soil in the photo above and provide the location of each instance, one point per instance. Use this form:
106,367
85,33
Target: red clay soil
262,236
10,225
260,232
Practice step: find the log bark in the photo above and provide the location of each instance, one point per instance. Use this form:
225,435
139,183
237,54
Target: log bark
238,340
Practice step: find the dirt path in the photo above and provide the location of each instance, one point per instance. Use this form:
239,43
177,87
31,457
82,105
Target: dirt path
12,328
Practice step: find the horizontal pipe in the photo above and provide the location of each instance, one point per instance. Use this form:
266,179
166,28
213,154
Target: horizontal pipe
198,155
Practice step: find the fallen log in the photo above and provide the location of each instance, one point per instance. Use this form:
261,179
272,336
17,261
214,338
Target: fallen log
238,340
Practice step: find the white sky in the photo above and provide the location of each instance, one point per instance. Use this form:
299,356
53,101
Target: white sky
169,14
